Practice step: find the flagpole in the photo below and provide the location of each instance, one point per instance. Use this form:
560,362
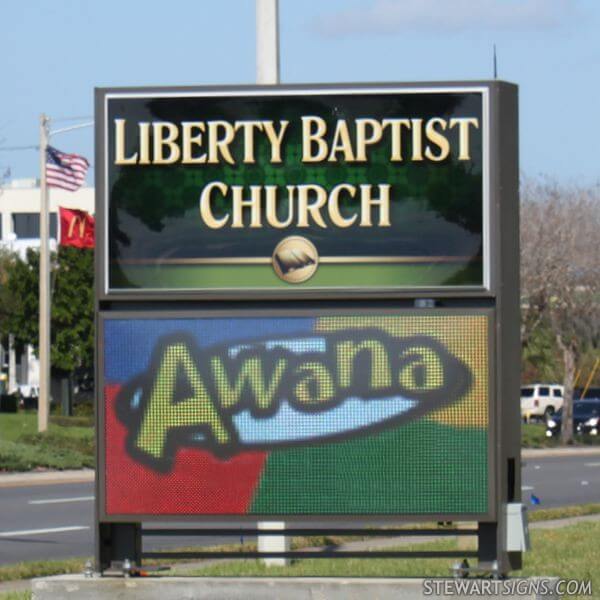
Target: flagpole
44,337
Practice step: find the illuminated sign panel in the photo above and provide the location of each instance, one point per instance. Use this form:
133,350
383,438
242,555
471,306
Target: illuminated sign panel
262,191
301,413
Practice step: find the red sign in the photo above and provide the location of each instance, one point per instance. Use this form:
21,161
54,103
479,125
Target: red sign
76,228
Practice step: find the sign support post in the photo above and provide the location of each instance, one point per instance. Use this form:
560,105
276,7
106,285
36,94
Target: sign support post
267,73
267,42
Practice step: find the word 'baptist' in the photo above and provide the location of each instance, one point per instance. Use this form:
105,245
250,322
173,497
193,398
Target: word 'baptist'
204,397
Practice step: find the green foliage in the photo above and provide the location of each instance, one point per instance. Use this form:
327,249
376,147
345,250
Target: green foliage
72,319
8,300
72,421
12,426
564,512
23,595
533,435
17,456
84,410
541,360
61,447
41,568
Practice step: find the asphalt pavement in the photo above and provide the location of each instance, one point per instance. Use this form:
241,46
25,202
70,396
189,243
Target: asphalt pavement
45,522
561,480
56,520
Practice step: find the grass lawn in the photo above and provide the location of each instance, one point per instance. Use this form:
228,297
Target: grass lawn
68,443
533,435
572,551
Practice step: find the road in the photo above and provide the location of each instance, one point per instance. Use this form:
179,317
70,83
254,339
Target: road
56,521
561,480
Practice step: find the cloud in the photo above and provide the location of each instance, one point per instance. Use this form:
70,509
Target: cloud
397,16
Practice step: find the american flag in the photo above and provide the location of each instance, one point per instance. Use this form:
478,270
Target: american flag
66,171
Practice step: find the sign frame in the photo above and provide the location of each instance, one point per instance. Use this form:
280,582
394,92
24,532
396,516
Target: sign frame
490,191
339,310
119,537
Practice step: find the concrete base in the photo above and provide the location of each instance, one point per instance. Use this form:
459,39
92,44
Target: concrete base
77,587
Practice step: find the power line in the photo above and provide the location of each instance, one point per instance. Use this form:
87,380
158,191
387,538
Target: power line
12,148
69,119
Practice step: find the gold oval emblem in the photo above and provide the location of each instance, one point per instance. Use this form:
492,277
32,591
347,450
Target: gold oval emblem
295,259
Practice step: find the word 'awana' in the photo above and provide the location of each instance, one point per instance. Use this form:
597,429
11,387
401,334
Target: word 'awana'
191,396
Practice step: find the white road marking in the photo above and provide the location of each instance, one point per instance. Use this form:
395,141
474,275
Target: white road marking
5,534
526,488
585,483
537,467
61,500
597,464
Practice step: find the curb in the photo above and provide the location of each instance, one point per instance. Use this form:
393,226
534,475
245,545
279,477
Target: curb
577,451
46,477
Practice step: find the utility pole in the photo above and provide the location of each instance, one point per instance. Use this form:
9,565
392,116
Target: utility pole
267,73
44,328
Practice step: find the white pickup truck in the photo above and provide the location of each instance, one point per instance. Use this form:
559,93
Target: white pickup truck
541,400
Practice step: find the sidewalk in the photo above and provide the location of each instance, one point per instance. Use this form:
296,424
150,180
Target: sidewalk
46,478
570,451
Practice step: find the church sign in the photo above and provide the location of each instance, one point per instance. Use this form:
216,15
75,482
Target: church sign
263,190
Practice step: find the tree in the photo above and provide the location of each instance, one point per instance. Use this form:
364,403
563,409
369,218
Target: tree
72,313
7,299
560,274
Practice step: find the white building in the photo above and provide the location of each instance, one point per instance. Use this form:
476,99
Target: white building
20,229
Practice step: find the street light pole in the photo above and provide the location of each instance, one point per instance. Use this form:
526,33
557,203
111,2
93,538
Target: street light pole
44,327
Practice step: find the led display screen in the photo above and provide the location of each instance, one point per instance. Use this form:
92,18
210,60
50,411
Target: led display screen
311,189
297,413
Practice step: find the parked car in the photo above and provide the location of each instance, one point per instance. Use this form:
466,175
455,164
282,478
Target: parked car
29,391
586,418
540,400
590,393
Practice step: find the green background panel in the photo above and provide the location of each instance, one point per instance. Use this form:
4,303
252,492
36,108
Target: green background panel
327,275
422,467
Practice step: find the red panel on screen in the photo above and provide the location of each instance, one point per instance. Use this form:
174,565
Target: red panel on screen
198,483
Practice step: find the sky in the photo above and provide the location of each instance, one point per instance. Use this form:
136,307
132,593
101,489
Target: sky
54,53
